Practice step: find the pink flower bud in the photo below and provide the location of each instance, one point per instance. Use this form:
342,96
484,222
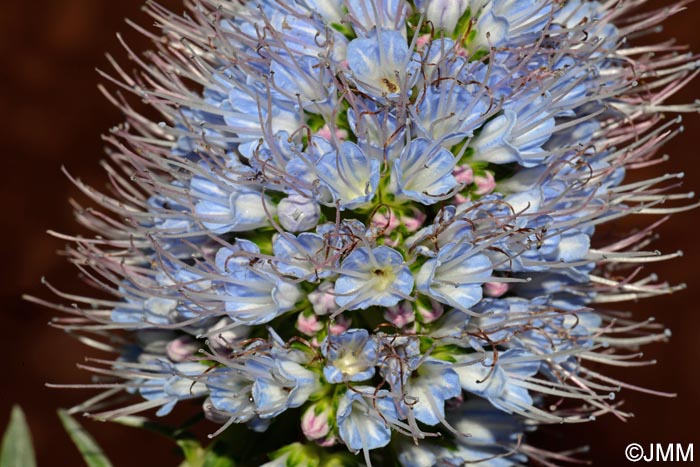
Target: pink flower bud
326,134
386,222
401,314
414,222
461,199
495,289
315,426
428,315
322,299
391,242
485,184
340,325
308,325
182,348
464,174
422,41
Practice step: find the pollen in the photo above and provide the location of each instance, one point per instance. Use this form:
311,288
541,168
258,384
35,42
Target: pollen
349,364
390,85
382,278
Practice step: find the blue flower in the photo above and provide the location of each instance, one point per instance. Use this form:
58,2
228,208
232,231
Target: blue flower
330,10
430,385
378,131
518,135
499,381
252,295
279,384
396,357
305,80
363,418
455,276
298,213
383,66
225,206
302,256
230,393
250,114
451,112
511,21
493,439
350,175
351,356
373,277
172,383
424,173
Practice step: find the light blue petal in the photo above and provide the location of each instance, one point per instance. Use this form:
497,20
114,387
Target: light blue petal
360,426
424,172
350,175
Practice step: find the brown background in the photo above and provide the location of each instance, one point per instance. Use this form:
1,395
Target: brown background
52,114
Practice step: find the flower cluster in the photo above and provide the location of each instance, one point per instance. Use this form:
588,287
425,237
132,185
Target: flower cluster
381,214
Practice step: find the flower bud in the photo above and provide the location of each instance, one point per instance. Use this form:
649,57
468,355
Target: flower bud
308,324
322,299
297,213
340,325
326,134
464,174
461,199
221,342
495,289
316,421
414,221
182,348
485,184
400,315
429,311
422,41
385,221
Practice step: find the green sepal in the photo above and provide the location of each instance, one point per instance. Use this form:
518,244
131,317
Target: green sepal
345,30
460,32
299,455
446,353
215,455
315,122
426,344
340,460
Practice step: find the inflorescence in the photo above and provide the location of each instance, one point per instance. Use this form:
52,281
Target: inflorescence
379,215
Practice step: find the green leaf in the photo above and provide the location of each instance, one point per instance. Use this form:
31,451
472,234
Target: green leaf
17,449
91,452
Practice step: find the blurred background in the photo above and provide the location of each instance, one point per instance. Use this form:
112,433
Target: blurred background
51,114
